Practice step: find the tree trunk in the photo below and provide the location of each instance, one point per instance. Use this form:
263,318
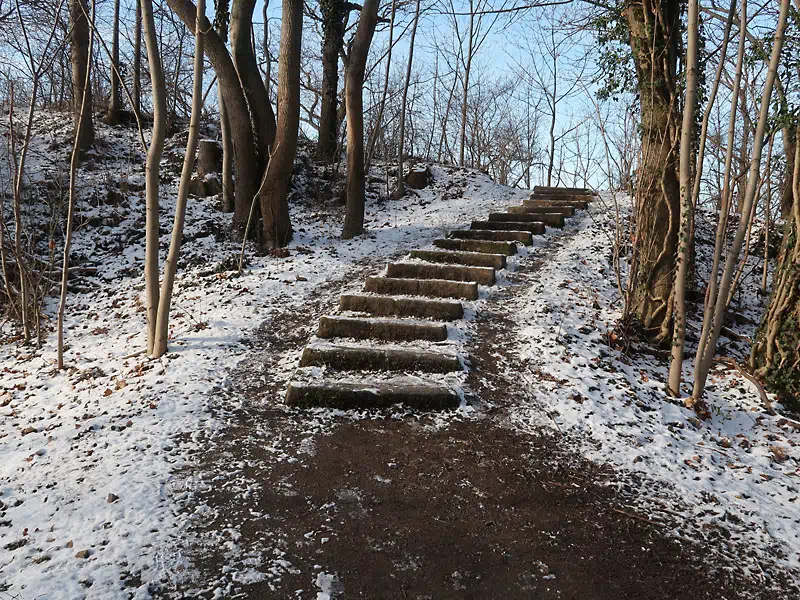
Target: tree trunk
724,205
354,80
690,100
465,89
267,57
244,59
73,170
373,138
721,304
658,193
334,13
81,85
137,64
152,171
227,157
114,103
277,229
401,184
248,174
171,264
776,353
789,146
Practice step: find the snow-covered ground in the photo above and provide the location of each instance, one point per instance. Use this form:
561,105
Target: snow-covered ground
737,472
89,457
94,460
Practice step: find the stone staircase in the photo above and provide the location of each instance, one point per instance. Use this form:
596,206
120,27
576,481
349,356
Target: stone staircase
407,321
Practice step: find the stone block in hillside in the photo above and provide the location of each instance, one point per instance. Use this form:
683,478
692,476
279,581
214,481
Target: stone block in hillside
204,187
419,177
209,157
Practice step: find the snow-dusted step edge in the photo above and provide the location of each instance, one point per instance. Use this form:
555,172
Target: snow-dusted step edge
550,207
475,259
400,306
551,219
497,234
532,228
423,270
387,330
377,358
546,189
480,246
364,394
553,202
434,288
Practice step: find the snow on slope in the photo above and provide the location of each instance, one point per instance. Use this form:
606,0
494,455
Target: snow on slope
737,473
90,458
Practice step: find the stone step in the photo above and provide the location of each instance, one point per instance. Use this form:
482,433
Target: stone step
518,225
435,288
370,395
567,211
387,330
349,358
483,275
551,219
544,189
475,259
539,203
507,248
385,306
495,235
562,198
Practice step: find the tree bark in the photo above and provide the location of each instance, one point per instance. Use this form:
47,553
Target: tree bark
721,304
789,147
776,352
373,138
334,13
267,57
171,264
401,184
227,157
137,64
244,59
658,193
246,165
354,80
690,99
114,103
81,84
725,202
277,229
152,169
465,89
73,170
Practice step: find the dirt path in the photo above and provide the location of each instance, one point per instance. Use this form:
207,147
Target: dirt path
292,504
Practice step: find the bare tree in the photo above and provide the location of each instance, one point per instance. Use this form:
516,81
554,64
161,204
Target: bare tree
721,301
690,98
277,229
354,79
171,264
401,184
73,169
114,104
242,122
137,62
334,17
152,170
81,83
654,37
